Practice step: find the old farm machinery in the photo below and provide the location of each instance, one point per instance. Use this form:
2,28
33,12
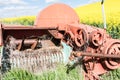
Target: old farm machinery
38,47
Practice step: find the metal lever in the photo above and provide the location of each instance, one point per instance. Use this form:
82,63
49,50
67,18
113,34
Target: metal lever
103,14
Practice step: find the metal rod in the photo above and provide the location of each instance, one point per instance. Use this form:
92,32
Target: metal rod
21,27
27,41
98,55
103,14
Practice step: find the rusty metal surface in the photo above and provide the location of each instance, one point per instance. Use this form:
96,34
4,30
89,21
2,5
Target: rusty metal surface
21,34
45,43
21,27
99,50
115,56
112,48
56,14
93,46
96,38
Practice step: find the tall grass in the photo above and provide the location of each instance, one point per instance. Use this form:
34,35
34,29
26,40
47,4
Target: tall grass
57,74
112,75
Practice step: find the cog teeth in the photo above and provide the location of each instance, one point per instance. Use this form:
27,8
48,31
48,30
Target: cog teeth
36,60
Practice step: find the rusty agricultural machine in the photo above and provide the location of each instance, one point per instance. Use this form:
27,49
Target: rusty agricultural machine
39,47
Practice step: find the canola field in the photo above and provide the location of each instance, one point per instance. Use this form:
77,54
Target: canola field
92,14
23,20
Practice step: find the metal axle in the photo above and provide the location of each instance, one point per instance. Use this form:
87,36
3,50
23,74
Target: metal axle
97,55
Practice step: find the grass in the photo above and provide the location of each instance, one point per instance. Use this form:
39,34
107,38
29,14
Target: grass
112,75
58,74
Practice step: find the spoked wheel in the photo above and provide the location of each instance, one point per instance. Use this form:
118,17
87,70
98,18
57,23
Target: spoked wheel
112,48
80,38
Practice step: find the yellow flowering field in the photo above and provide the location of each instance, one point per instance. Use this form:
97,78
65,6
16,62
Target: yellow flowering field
23,20
92,14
